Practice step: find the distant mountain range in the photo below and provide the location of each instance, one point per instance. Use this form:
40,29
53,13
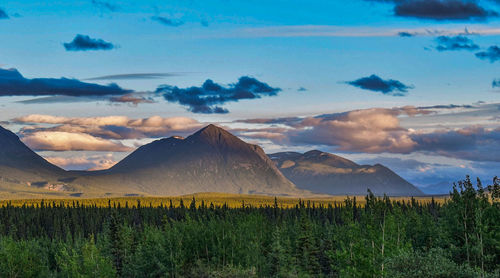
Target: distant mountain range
210,160
327,173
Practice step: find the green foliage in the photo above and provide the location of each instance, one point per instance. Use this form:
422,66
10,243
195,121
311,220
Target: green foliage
435,263
383,238
22,258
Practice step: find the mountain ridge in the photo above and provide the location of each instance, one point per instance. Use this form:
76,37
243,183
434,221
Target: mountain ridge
326,173
210,160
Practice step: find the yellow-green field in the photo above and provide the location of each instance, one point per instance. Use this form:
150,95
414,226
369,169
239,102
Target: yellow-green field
218,199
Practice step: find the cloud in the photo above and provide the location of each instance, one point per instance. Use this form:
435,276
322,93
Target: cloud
204,22
66,141
167,21
89,163
371,130
377,84
288,121
12,83
205,99
379,130
105,5
492,54
300,31
298,122
135,76
405,34
446,43
85,43
475,143
131,99
442,9
111,127
3,14
449,106
301,89
495,83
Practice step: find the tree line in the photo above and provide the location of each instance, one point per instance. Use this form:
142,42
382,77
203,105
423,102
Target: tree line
382,238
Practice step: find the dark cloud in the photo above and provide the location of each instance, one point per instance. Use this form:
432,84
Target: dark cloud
12,83
105,5
440,9
288,121
205,99
3,14
377,84
446,43
474,143
128,76
492,54
167,21
495,83
449,106
301,89
84,43
406,34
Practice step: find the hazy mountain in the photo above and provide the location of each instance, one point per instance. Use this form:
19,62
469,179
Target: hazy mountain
211,160
20,166
442,187
326,173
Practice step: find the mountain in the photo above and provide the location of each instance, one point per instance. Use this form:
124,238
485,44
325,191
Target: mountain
21,167
210,160
440,188
322,172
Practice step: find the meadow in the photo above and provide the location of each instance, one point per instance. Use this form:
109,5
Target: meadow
217,199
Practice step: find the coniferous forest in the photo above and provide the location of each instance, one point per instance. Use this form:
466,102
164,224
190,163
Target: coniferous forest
381,238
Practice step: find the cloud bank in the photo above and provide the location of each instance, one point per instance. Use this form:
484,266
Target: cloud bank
84,162
110,127
12,83
379,130
205,99
54,133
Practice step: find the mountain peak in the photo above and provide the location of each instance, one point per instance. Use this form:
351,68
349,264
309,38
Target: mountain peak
12,74
211,129
215,135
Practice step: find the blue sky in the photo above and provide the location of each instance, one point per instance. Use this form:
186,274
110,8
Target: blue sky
316,45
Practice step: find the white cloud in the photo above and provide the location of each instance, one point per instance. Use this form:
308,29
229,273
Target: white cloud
66,141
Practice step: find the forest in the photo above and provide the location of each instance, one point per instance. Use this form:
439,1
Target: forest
381,238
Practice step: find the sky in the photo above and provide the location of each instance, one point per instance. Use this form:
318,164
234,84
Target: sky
411,84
